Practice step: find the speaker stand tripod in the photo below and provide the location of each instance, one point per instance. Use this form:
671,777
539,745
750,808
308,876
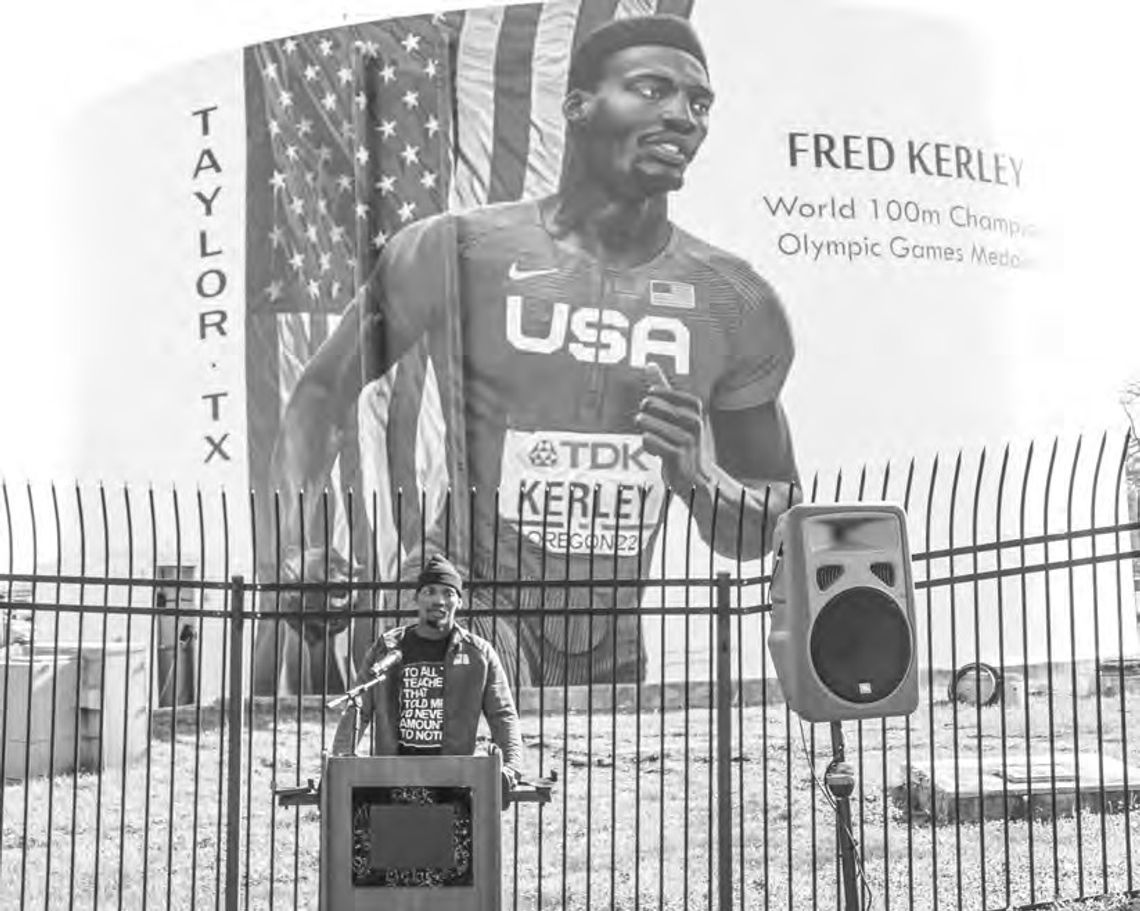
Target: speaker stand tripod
839,779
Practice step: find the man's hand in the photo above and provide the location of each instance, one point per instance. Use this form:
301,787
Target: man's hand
315,566
671,424
509,778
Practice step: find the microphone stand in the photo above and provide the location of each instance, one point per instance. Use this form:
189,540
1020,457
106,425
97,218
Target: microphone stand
309,794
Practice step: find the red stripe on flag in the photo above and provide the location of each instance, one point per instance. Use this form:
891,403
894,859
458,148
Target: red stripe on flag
592,14
682,8
513,67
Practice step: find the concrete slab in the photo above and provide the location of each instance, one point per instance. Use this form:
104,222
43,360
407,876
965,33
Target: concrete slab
967,789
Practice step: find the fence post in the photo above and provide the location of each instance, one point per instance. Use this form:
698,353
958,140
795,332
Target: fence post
724,738
233,771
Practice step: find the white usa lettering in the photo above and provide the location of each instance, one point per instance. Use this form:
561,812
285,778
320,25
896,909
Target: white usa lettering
596,335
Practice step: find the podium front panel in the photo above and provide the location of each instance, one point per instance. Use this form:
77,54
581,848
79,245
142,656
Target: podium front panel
420,833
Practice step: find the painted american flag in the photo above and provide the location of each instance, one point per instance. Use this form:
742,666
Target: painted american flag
349,140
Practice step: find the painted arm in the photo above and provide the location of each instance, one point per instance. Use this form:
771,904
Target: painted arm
740,484
315,419
406,290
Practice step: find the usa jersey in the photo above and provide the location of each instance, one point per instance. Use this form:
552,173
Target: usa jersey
556,348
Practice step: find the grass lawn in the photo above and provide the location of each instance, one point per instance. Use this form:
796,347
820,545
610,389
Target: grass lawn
630,825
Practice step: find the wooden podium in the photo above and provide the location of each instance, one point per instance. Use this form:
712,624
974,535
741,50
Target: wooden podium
411,833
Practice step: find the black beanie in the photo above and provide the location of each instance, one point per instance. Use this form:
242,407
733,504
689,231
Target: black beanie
439,569
634,31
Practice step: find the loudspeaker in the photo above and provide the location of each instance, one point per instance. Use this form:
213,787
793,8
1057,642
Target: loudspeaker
842,636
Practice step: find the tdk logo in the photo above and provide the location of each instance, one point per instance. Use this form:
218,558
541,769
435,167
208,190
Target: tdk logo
589,455
599,336
543,454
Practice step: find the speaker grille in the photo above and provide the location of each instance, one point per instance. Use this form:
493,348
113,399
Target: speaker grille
885,573
827,576
861,645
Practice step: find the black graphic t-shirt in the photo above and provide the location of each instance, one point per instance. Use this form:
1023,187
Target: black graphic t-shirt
421,695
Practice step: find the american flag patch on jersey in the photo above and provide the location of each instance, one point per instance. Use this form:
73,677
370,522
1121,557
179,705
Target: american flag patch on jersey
672,294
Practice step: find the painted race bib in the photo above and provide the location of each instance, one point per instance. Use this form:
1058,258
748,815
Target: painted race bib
581,492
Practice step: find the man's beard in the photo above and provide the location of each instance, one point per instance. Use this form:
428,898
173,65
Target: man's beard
636,184
611,165
653,184
438,624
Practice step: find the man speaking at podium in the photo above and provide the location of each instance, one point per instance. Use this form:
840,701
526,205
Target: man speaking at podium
437,678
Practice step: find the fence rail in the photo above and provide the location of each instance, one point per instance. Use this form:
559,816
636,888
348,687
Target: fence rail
162,677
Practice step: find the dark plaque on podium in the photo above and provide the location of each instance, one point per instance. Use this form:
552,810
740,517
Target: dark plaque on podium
412,836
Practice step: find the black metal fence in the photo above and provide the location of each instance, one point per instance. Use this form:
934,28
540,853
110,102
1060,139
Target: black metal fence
157,691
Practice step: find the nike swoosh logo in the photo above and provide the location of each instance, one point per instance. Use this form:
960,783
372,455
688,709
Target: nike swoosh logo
514,273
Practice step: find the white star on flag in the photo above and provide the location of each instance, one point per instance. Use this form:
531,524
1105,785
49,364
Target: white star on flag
276,236
291,152
304,126
385,184
297,260
336,233
314,288
411,154
431,68
411,99
427,179
271,71
388,73
274,128
387,128
326,261
329,101
311,72
297,206
277,180
344,74
344,183
362,210
311,233
274,290
411,42
431,125
379,239
325,46
285,99
407,210
290,45
361,155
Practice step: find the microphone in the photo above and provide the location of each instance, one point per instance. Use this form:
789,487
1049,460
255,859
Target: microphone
382,667
377,672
